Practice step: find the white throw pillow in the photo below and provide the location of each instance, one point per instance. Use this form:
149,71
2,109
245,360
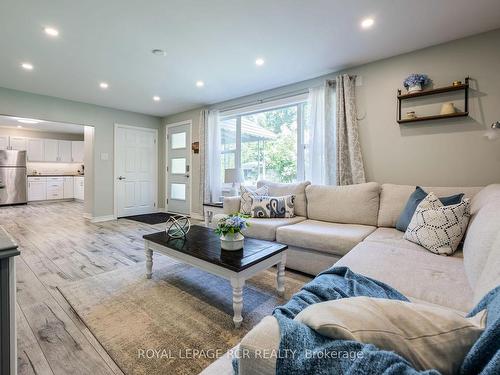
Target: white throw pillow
439,228
273,207
428,336
247,196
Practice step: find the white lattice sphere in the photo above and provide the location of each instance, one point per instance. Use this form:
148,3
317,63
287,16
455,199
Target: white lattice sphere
177,226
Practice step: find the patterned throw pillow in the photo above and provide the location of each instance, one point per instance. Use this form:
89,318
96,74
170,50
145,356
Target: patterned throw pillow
439,228
273,207
247,196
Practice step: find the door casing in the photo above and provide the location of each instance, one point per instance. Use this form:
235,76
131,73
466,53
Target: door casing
115,166
190,157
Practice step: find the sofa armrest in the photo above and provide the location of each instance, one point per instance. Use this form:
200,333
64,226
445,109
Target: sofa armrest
259,347
231,205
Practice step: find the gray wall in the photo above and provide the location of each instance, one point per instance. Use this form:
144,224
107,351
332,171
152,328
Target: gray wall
445,152
22,104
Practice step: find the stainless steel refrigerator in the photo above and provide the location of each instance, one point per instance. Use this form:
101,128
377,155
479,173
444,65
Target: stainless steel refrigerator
12,177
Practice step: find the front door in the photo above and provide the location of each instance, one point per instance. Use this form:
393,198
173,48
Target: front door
136,171
178,167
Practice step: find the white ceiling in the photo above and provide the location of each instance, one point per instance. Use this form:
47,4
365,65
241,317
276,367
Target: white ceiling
216,41
43,126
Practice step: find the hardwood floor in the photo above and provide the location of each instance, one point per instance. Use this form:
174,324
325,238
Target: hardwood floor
58,247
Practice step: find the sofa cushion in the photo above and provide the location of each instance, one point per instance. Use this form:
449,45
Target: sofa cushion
488,194
393,199
429,337
490,275
483,229
265,229
322,236
435,279
248,195
273,207
349,204
298,189
394,237
231,205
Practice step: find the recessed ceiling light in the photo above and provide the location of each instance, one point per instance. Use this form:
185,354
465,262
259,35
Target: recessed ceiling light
103,85
156,98
367,23
259,62
27,66
200,83
51,31
159,52
28,121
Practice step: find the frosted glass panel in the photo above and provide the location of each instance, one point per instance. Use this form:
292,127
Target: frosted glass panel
179,140
179,166
178,191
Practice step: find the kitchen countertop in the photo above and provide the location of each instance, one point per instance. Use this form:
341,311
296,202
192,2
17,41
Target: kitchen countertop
55,175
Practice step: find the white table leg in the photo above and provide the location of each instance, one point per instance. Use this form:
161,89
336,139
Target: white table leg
149,260
280,275
237,285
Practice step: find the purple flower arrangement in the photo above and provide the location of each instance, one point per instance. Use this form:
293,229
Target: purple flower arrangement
232,224
416,80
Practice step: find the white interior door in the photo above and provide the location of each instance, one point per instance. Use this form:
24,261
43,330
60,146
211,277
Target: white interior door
135,170
178,169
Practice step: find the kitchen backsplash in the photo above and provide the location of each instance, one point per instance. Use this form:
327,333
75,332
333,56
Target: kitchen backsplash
53,168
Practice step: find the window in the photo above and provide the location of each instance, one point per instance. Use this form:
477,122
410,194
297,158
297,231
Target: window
265,143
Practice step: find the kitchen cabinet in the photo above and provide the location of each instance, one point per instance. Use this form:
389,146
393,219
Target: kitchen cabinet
55,187
69,186
77,151
18,143
79,188
64,155
51,150
37,189
35,149
4,142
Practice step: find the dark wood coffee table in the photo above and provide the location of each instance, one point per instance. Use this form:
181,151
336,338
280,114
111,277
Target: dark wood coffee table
201,248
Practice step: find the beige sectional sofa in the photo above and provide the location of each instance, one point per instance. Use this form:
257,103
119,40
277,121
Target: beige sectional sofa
357,224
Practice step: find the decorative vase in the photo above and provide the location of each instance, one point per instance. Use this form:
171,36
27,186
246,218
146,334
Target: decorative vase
415,88
231,242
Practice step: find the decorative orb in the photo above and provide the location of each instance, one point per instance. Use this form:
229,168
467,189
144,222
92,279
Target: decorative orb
177,226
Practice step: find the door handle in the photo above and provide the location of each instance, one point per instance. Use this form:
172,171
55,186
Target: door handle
121,178
186,175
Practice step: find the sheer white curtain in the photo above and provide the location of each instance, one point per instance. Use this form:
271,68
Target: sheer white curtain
319,136
212,165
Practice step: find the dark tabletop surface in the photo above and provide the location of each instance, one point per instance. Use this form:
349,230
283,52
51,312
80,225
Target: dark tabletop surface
203,243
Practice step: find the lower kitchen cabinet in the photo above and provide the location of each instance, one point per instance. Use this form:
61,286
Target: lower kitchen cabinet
37,189
79,188
69,183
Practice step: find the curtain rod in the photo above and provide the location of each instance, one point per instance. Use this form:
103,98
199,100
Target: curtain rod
264,100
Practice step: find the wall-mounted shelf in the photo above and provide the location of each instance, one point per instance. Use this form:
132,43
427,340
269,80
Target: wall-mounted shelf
462,87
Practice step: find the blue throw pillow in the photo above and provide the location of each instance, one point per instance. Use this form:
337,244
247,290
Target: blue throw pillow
418,196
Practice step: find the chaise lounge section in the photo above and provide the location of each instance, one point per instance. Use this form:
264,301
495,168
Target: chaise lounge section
370,245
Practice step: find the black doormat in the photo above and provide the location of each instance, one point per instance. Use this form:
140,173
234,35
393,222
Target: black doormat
154,218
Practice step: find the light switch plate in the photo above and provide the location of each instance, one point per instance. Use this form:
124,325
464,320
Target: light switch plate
104,156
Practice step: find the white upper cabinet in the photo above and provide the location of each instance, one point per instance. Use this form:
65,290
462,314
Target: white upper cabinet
18,143
35,149
77,148
4,142
51,150
64,152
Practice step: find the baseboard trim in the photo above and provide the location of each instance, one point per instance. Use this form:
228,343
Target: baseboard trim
87,216
100,219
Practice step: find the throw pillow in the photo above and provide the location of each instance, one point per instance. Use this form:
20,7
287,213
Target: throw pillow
273,207
439,228
411,205
428,336
247,196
